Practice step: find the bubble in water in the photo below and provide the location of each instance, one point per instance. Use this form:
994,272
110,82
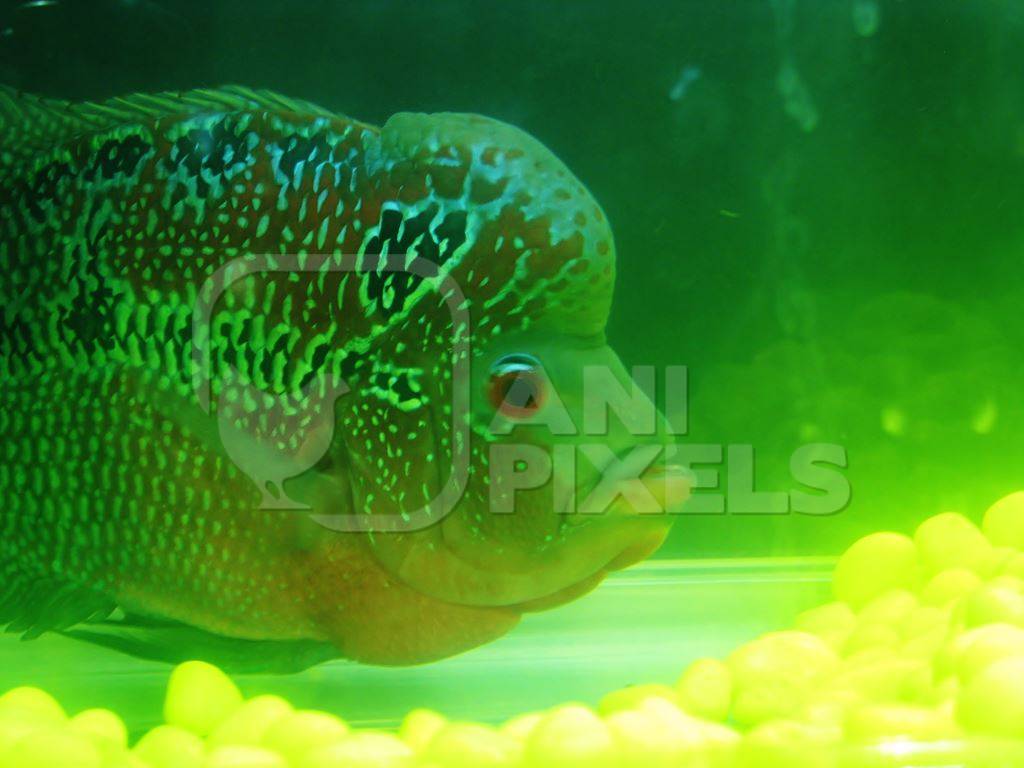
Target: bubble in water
687,77
797,98
865,17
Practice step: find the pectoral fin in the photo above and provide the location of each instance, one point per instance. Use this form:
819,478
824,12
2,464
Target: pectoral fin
174,643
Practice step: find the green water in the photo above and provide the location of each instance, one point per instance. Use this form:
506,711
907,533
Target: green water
835,253
817,207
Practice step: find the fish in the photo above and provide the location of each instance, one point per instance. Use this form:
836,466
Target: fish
229,419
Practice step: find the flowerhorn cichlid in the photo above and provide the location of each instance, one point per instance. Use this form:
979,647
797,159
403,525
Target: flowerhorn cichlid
279,386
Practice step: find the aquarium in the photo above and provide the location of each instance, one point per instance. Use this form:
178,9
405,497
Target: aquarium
388,384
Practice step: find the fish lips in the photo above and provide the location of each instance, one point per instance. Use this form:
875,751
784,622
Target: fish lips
635,553
458,571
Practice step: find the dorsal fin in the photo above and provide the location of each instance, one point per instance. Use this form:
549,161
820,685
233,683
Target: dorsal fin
30,124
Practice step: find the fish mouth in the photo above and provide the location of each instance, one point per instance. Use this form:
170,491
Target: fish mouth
461,573
635,553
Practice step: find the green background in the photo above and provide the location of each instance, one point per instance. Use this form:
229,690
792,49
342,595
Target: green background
849,272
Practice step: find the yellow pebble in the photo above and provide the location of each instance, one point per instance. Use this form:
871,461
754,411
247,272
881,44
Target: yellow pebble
788,654
33,705
991,604
705,689
469,745
873,565
719,747
125,760
1004,521
1001,559
103,728
168,746
772,674
923,619
872,636
950,540
630,698
365,749
885,678
867,656
1008,581
247,725
1014,565
888,608
925,644
420,727
830,707
235,756
947,660
12,730
52,747
881,722
646,740
832,622
949,585
521,726
698,740
993,701
945,692
300,732
200,697
789,744
571,737
985,645
668,713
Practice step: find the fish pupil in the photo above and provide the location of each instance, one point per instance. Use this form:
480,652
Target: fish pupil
516,389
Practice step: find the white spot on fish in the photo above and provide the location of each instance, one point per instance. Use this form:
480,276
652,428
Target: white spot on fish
321,237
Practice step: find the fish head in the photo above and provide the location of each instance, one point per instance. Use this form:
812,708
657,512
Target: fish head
554,488
572,466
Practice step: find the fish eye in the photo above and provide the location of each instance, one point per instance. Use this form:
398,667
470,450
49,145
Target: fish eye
516,387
